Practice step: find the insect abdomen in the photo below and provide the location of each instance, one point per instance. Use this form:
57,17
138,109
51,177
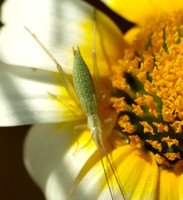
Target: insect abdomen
83,85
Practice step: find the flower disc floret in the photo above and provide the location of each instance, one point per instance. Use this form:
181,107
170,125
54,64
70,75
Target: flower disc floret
150,75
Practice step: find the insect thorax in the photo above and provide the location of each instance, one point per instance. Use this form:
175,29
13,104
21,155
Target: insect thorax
94,125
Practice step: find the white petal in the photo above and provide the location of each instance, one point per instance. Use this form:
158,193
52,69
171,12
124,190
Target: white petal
25,100
48,155
56,23
59,25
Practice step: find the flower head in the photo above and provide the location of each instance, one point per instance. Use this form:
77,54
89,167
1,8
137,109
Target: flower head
150,75
140,109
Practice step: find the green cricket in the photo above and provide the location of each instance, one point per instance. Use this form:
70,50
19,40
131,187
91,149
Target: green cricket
84,88
85,91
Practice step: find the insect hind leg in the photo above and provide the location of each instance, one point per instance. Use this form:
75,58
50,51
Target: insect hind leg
103,166
99,143
76,128
113,171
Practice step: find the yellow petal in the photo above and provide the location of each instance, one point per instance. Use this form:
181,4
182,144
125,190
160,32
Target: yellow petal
138,11
181,184
109,43
138,172
49,158
131,34
168,184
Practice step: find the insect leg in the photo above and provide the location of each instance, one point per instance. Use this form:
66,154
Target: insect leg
76,128
63,101
103,166
68,86
113,171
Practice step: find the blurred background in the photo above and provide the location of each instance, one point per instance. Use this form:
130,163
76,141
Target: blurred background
15,183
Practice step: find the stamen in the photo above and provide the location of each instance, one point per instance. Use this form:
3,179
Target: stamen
151,74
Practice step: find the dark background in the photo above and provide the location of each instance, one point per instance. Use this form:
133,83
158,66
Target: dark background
15,183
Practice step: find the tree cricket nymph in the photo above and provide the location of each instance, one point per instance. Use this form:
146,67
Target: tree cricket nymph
83,85
85,91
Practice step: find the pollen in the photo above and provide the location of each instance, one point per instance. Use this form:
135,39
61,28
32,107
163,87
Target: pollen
137,110
161,160
177,126
150,103
160,127
135,141
150,76
125,123
121,105
173,156
170,141
147,127
139,100
155,144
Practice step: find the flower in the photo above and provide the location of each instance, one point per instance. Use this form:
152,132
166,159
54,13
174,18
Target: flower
145,144
28,74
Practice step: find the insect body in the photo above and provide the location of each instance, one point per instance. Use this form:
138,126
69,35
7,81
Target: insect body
86,93
84,86
87,97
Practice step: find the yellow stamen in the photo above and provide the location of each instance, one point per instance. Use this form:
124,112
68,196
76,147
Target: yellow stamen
125,123
135,141
150,103
120,105
137,110
155,144
177,126
147,127
170,141
172,156
161,160
151,74
160,127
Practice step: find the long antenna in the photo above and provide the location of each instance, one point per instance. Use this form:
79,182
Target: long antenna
101,142
110,190
95,67
97,92
97,88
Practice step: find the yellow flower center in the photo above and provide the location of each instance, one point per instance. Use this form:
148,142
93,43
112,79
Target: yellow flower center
150,85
